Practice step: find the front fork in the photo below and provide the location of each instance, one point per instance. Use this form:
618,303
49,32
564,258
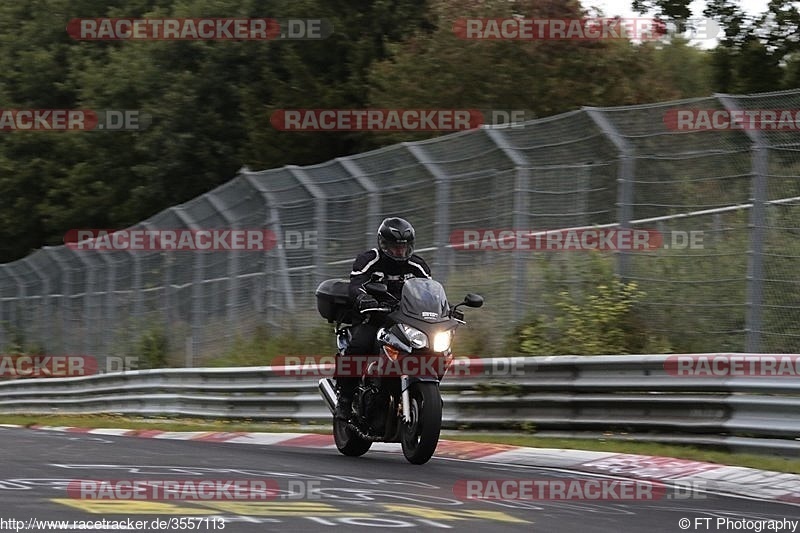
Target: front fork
387,338
405,386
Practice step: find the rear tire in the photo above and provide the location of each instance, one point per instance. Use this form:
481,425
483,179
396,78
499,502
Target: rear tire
421,436
347,441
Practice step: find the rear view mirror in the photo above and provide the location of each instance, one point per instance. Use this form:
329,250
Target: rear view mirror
473,300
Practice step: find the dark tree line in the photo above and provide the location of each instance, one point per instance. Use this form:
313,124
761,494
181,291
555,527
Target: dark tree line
211,101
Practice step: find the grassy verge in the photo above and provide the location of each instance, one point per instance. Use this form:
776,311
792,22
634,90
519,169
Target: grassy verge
160,423
763,462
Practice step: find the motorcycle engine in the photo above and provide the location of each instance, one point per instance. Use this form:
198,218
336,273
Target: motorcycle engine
375,405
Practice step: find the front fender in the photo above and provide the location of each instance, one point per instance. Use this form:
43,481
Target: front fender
407,381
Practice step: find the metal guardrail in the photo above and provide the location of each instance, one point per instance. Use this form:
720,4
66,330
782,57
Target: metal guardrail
610,397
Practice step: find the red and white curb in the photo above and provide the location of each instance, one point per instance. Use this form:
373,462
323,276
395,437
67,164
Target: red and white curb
721,479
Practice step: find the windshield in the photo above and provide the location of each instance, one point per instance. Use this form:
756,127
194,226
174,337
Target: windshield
424,299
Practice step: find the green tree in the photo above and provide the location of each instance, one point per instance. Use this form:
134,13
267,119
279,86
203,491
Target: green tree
752,54
210,103
437,69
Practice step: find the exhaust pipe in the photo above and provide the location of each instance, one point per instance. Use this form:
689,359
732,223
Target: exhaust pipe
328,392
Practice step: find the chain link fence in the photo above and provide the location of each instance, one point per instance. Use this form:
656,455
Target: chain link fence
620,166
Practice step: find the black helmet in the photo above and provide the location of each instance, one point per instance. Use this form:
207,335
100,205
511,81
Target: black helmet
396,238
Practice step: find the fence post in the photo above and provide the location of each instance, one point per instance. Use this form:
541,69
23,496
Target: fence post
108,307
90,321
443,257
232,264
521,218
47,292
142,324
3,312
45,303
625,176
137,287
374,204
755,261
198,271
321,215
169,297
272,221
13,315
755,266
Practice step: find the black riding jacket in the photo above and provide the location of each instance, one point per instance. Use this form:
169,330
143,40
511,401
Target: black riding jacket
394,272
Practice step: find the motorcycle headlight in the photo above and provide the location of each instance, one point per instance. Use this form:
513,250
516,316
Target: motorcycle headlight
442,340
415,337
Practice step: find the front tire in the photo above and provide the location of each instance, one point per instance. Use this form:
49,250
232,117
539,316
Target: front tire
421,436
347,441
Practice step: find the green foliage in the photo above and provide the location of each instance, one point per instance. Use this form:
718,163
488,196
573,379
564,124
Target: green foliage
17,344
210,103
264,347
542,77
598,316
152,349
474,339
753,52
678,69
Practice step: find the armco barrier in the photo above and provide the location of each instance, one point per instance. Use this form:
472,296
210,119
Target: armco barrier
621,397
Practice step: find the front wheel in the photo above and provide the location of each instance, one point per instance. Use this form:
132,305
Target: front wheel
421,436
348,442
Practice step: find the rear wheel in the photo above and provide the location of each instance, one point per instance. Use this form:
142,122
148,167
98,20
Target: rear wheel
421,436
348,442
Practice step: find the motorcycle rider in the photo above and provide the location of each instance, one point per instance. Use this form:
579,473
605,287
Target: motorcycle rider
394,261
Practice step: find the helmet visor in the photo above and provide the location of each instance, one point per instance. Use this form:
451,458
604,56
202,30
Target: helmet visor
397,250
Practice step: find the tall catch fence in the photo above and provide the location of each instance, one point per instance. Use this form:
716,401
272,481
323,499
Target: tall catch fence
620,166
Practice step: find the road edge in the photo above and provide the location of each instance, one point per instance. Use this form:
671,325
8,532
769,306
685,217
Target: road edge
722,479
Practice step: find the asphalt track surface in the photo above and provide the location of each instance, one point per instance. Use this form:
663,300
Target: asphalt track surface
377,491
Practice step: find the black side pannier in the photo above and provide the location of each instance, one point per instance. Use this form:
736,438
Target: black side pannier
333,301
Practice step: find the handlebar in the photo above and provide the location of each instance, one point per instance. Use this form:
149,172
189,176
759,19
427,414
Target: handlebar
376,309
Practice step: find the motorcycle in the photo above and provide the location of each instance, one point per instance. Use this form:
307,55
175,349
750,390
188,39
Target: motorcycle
397,398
